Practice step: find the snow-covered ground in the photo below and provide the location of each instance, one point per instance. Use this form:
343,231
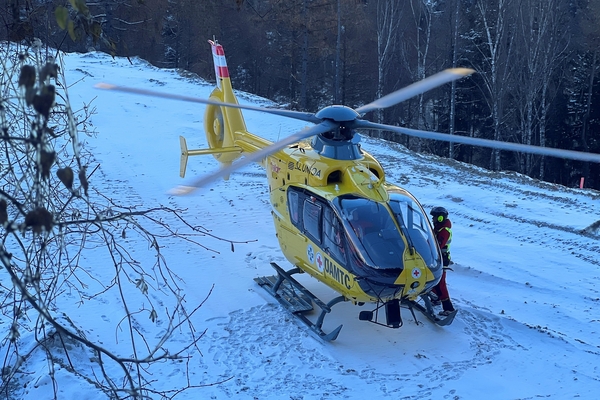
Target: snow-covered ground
526,278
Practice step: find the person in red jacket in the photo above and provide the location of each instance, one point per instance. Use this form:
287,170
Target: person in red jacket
442,227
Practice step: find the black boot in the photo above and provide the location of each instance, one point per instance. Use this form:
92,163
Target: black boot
447,306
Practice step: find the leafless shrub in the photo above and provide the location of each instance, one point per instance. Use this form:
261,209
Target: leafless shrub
54,226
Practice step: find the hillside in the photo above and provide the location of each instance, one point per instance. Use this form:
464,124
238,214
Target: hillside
525,277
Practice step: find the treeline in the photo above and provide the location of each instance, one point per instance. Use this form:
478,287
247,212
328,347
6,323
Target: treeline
536,62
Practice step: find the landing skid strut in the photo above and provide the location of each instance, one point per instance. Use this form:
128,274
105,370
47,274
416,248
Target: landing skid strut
427,310
394,319
298,300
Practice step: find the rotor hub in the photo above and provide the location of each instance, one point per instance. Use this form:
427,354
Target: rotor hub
338,114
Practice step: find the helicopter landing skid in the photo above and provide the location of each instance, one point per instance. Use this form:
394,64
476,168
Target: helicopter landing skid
427,310
298,300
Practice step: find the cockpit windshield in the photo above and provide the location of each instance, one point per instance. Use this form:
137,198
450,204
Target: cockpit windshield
415,226
374,227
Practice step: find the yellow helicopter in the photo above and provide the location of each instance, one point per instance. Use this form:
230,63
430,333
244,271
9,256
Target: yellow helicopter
336,217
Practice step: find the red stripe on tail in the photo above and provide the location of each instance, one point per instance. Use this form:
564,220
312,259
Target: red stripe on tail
223,72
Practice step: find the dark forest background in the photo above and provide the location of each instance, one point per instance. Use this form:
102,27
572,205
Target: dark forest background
536,61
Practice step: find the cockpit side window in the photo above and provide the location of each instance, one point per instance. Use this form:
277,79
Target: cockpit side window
315,218
312,219
334,238
293,205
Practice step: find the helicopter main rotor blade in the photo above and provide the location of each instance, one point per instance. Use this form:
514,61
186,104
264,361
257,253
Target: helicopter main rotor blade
303,116
416,88
323,127
519,147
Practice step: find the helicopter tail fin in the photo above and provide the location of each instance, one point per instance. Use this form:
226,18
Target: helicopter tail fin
221,124
221,70
224,126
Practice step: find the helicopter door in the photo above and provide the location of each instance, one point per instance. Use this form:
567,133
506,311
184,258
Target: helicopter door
305,213
334,239
315,218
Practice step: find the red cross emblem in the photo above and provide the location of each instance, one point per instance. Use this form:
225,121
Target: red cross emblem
320,262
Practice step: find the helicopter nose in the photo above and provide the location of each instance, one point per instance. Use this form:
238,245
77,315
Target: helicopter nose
413,278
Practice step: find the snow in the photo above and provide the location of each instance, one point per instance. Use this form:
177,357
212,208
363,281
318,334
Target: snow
526,278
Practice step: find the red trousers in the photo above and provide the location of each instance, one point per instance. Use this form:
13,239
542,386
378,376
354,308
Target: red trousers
441,290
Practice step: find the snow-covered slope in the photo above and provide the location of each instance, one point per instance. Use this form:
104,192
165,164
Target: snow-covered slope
526,278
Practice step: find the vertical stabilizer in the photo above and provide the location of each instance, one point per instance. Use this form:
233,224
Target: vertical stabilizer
222,73
221,70
223,125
